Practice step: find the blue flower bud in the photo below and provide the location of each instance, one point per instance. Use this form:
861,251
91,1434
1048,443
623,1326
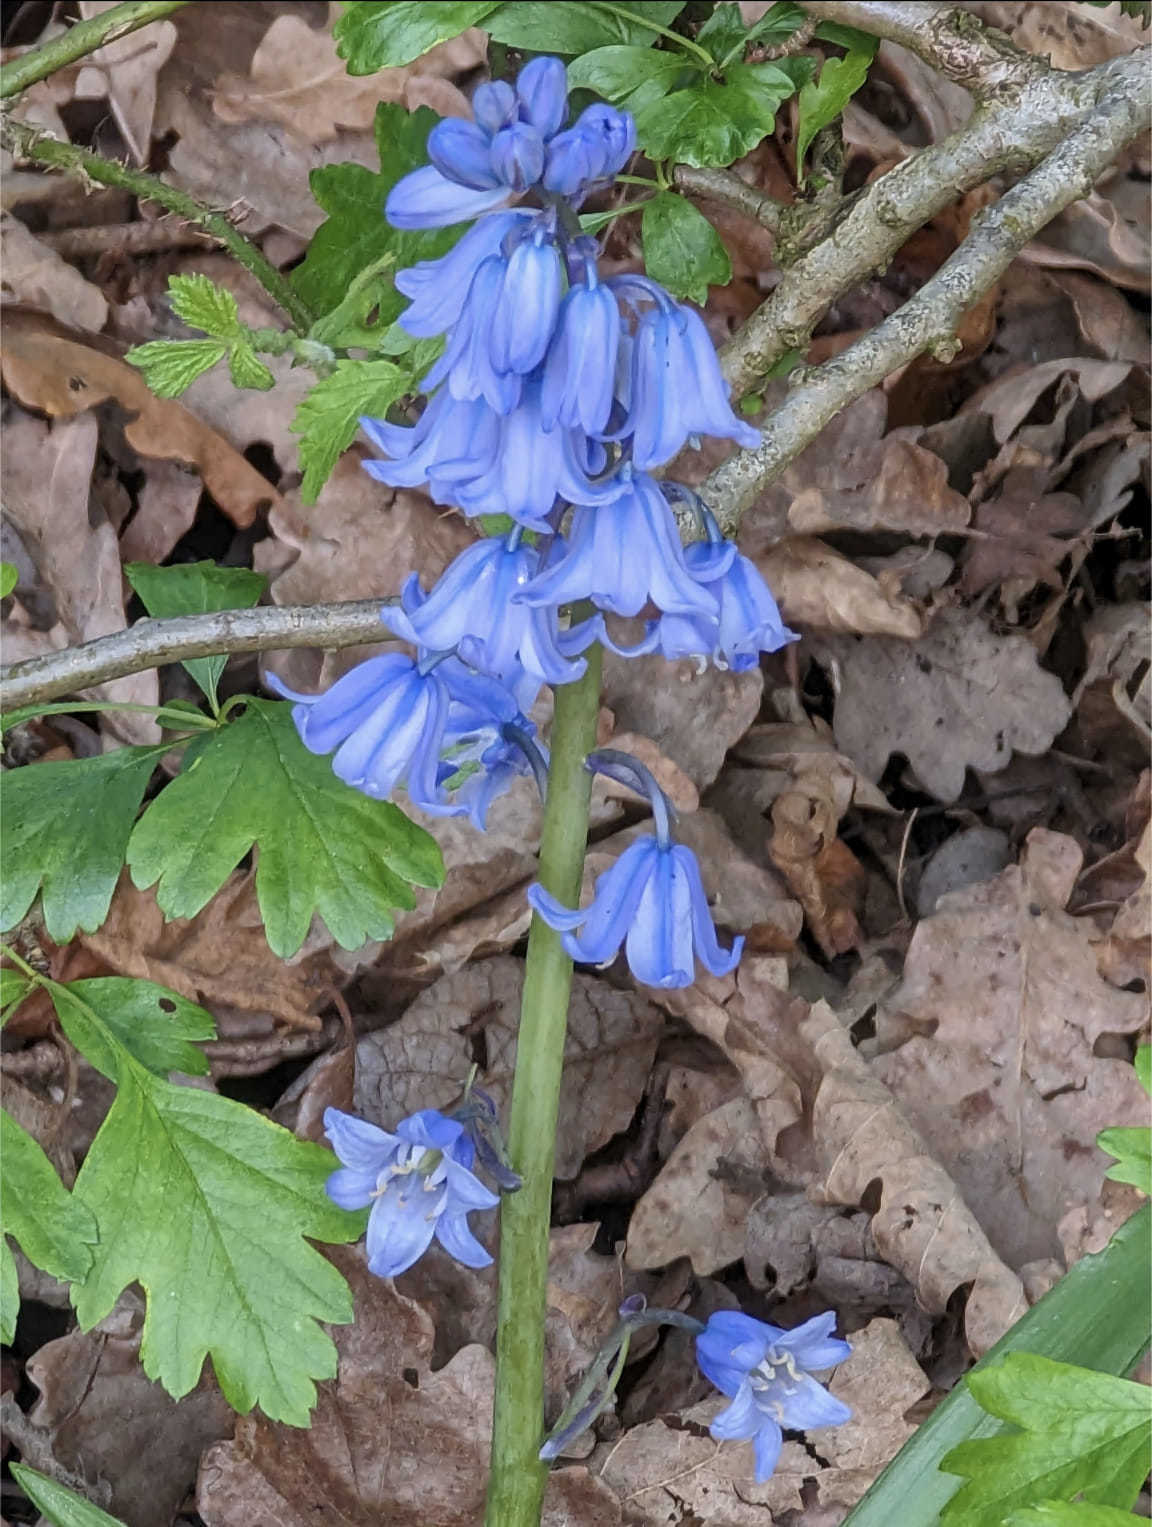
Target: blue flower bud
517,156
494,105
542,88
461,152
595,148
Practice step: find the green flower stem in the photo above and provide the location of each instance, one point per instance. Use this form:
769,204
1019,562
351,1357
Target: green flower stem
516,1483
32,143
80,40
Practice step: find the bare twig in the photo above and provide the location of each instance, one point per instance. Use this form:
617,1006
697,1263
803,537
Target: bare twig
80,40
928,321
723,186
123,239
149,643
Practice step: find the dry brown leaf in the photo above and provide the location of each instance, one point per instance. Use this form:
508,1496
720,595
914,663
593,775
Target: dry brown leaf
794,750
298,81
909,493
34,274
1105,232
1008,1090
1072,36
1024,534
126,71
823,873
821,589
1011,398
961,697
422,1060
57,373
1109,323
922,1226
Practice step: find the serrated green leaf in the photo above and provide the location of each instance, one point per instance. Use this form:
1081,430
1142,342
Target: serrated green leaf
55,1230
204,305
328,418
725,35
356,234
823,99
66,827
60,1506
170,366
196,588
682,250
205,1203
1132,1147
247,369
577,26
9,578
630,77
384,34
1081,1432
323,847
156,1026
1053,1513
715,121
14,987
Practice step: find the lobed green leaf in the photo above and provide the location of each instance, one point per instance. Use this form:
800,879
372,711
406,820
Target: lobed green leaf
578,26
715,121
109,1015
822,100
682,250
196,588
170,366
328,418
204,305
384,34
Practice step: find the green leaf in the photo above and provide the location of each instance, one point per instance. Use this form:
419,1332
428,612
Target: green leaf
196,588
715,122
822,100
323,847
247,369
205,1203
1053,1513
725,35
155,1025
60,1506
1132,1147
9,1293
9,578
55,1230
1081,1432
682,250
14,987
577,26
328,418
383,34
204,305
1097,1315
170,366
66,830
356,234
630,77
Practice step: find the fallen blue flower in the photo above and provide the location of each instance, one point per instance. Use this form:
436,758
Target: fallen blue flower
418,1182
765,1371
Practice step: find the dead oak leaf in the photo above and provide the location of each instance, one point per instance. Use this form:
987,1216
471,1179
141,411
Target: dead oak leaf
961,697
820,589
879,1383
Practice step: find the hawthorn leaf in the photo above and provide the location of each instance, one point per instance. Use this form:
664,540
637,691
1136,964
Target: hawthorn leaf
66,828
578,26
1081,1432
156,1026
1132,1147
823,99
204,305
170,366
682,250
725,35
55,1230
323,847
196,588
247,369
630,77
328,418
384,34
60,1506
716,121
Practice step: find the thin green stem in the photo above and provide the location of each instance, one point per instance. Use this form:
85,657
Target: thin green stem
80,40
191,720
516,1483
31,143
633,18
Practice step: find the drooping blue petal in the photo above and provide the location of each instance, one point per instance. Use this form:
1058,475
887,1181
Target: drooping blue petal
708,950
426,199
542,90
740,1420
804,1403
767,1445
351,1190
579,374
439,288
813,1345
517,156
454,441
399,1231
461,151
659,943
467,1191
325,720
458,1241
594,148
529,303
466,363
607,921
361,1146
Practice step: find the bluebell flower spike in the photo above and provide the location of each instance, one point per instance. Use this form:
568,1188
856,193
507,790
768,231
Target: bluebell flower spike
766,1372
418,1183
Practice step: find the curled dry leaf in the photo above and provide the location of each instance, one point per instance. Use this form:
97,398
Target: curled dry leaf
423,1059
63,375
961,697
1008,1090
35,275
1011,398
298,81
819,588
922,1225
823,873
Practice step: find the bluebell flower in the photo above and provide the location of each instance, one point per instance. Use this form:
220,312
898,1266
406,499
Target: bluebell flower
579,373
595,148
622,555
495,104
466,363
471,609
418,1182
765,1371
439,288
529,302
676,388
453,440
652,901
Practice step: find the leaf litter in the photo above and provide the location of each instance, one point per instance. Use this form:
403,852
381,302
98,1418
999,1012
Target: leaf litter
929,819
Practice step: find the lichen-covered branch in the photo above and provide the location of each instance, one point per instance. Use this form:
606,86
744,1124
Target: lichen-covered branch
725,187
1011,133
149,643
929,320
79,40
